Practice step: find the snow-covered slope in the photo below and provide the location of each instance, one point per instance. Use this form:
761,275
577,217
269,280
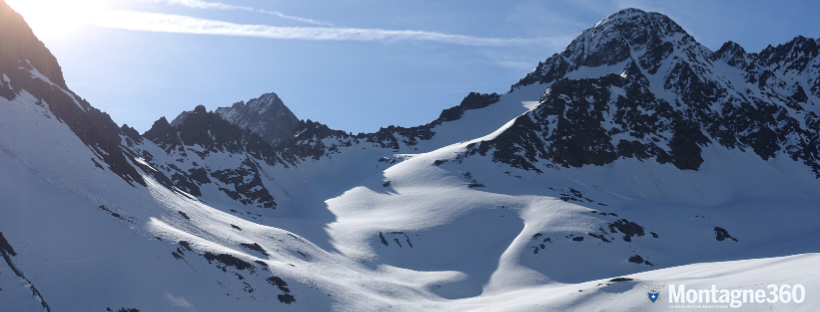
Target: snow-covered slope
634,157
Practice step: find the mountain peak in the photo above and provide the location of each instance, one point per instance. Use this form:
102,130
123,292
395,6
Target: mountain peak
267,116
634,27
795,54
646,60
625,15
646,38
19,45
633,15
27,65
731,47
636,19
640,139
200,109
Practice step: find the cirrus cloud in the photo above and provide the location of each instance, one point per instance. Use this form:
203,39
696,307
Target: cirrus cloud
156,22
198,4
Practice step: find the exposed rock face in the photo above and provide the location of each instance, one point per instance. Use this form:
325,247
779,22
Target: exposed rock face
473,100
27,65
266,116
215,134
165,136
669,97
672,98
198,137
668,100
613,40
6,252
19,45
203,148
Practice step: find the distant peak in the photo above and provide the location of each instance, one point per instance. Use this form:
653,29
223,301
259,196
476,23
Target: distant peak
161,121
623,15
730,48
631,11
266,115
613,39
639,18
265,100
647,38
160,126
237,105
198,110
269,95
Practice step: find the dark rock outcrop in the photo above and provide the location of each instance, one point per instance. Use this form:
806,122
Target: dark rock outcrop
21,56
193,137
667,115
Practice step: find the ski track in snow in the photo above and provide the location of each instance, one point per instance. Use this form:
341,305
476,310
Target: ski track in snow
432,231
428,203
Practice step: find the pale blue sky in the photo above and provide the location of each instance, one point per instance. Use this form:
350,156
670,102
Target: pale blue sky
355,65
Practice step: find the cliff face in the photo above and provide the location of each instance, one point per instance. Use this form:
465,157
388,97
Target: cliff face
634,149
665,98
19,45
27,65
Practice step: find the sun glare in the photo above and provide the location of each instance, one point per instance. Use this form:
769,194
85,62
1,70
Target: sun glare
58,18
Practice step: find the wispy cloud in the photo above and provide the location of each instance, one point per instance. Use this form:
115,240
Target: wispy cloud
204,5
295,18
198,4
142,21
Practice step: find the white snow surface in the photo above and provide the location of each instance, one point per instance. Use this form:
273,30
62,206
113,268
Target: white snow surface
420,228
472,248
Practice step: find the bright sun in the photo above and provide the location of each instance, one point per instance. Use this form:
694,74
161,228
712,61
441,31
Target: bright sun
58,18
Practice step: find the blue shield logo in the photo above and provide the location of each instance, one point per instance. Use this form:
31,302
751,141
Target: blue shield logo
653,292
653,295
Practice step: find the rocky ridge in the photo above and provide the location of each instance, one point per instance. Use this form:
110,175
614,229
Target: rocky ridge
267,116
673,96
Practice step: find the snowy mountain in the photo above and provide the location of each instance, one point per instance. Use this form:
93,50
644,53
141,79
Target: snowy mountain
267,116
668,97
202,148
636,156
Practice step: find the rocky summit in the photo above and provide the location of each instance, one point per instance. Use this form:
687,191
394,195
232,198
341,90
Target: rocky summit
635,156
267,116
667,97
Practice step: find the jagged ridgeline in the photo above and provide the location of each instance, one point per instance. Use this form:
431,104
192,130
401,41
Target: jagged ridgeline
263,131
201,148
655,93
661,96
667,96
267,116
634,149
26,61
